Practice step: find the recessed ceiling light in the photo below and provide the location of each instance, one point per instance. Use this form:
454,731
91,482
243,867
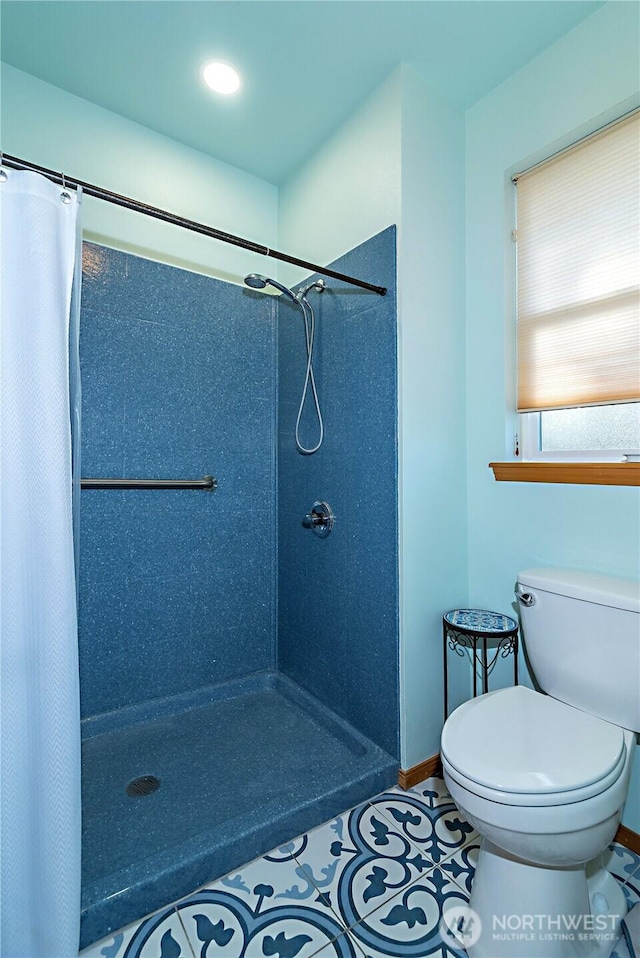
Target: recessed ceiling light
221,77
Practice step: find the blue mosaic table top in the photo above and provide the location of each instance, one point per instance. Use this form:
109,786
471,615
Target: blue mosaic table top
478,620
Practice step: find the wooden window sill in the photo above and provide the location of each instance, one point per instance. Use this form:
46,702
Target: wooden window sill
590,473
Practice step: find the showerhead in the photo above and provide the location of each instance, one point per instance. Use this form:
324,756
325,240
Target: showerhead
256,281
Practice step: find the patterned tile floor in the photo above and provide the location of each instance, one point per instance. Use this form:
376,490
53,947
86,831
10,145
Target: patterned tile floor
370,883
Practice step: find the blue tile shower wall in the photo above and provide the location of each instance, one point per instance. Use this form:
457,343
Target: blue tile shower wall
177,588
338,596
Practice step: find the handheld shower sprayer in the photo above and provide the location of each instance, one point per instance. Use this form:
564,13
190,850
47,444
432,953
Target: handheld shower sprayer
257,281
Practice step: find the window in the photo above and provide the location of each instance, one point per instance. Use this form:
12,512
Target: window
578,265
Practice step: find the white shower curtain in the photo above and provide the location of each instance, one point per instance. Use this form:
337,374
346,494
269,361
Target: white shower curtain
40,797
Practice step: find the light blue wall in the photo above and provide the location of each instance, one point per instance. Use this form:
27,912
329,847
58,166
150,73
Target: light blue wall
57,130
584,80
431,372
350,189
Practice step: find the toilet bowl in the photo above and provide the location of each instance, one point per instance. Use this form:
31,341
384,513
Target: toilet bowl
544,781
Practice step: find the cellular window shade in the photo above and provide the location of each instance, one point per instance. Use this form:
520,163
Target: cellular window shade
578,244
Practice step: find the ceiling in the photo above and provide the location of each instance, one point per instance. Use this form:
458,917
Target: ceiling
306,64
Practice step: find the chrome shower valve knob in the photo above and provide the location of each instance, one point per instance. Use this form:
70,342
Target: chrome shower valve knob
320,519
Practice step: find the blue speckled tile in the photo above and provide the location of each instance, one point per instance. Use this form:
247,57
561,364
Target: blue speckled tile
373,261
179,380
208,815
179,591
349,659
386,698
154,291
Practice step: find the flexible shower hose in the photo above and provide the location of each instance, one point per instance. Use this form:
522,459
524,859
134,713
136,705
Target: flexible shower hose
309,333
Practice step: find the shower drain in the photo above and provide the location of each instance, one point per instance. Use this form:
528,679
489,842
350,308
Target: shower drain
143,785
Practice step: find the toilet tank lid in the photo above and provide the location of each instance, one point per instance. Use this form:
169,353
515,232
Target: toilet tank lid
587,586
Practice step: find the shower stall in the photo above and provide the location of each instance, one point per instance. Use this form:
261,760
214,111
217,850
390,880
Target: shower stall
238,671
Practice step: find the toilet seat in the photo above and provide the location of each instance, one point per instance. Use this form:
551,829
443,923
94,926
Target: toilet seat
520,747
529,799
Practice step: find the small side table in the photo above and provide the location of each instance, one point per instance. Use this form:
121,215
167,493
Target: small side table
481,632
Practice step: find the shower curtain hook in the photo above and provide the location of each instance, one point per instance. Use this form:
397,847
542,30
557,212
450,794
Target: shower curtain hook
64,196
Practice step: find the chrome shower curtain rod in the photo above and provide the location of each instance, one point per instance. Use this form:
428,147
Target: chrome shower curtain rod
98,192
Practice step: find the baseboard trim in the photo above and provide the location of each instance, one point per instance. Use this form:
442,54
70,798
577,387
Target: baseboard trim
631,840
407,778
418,773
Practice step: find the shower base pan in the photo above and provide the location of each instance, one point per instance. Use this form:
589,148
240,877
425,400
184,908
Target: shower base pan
180,791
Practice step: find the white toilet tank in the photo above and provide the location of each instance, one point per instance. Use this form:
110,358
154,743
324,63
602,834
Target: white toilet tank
582,639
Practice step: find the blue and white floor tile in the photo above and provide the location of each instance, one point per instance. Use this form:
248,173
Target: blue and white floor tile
410,924
372,883
360,860
269,907
625,866
376,865
428,818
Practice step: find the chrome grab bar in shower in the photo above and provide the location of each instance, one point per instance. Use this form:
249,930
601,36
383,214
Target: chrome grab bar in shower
208,483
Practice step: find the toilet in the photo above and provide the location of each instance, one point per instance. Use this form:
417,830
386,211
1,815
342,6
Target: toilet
543,775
